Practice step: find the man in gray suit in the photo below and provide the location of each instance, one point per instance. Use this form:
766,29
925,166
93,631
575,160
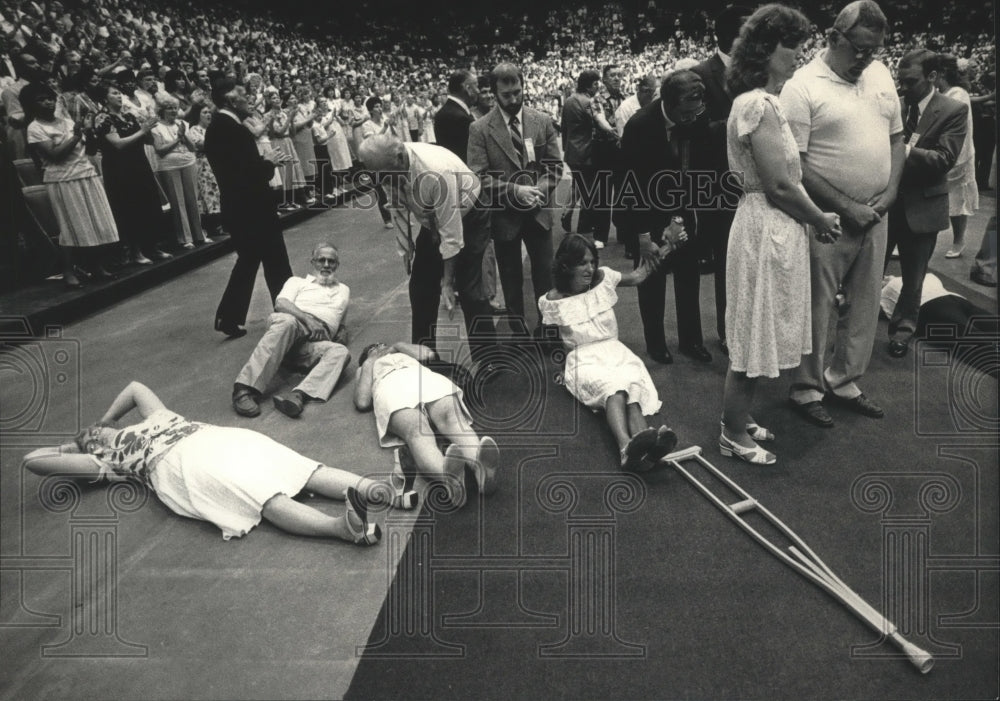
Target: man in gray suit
514,151
934,130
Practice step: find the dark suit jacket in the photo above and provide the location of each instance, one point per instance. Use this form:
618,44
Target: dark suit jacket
492,157
923,189
577,130
451,129
243,175
653,170
718,103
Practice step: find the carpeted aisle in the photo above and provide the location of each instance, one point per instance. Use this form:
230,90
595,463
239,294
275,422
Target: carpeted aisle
575,581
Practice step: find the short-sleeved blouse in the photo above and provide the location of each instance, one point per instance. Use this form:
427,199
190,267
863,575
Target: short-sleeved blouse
75,165
180,156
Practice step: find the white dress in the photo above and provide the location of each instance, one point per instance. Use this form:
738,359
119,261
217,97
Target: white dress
598,365
963,192
768,318
400,382
216,474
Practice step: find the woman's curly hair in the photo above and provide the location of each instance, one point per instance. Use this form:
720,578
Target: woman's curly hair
759,36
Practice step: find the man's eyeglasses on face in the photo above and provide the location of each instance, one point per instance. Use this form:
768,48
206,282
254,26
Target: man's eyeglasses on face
326,261
866,54
688,116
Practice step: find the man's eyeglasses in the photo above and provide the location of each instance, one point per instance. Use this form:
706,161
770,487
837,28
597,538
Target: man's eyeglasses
866,54
326,261
689,116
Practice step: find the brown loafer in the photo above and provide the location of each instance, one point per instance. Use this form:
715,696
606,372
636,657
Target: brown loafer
245,403
813,412
859,404
291,405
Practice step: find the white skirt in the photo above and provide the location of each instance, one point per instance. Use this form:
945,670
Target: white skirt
409,388
226,475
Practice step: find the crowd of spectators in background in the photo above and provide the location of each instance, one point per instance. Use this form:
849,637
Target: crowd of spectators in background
123,67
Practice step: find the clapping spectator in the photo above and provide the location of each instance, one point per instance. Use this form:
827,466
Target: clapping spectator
74,187
199,117
177,172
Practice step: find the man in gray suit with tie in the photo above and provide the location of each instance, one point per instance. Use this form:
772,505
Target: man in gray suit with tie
514,151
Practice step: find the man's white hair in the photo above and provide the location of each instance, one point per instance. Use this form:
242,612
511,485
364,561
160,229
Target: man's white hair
380,152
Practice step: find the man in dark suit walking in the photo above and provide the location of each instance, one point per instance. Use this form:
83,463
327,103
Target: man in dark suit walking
515,151
716,221
661,145
934,130
247,206
451,123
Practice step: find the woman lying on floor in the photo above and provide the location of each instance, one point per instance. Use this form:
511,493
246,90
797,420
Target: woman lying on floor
411,402
231,477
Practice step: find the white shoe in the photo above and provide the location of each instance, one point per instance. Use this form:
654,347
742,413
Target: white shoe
598,245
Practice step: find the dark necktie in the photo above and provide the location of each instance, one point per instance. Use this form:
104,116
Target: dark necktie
912,119
515,137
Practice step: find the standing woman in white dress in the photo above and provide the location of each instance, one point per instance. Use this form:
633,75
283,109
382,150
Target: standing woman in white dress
963,192
431,108
601,372
768,320
76,191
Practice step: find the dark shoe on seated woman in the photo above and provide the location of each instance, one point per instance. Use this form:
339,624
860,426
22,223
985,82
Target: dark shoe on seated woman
638,446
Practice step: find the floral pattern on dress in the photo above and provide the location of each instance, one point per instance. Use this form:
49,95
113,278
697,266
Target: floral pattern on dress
135,449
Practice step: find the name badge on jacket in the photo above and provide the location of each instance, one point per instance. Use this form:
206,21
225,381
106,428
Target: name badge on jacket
529,151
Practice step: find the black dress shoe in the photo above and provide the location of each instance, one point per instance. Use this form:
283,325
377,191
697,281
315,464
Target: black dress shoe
699,353
813,412
859,404
661,355
230,328
897,349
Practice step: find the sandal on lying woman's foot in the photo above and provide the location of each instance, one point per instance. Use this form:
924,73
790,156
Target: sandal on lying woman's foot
366,533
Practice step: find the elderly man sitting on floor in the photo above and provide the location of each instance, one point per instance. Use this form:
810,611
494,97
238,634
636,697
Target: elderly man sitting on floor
306,330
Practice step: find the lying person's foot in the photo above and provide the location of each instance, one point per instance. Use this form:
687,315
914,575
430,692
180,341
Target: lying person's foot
485,466
291,405
454,476
356,517
404,473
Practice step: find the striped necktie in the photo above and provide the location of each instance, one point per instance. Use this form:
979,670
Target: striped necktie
515,137
912,119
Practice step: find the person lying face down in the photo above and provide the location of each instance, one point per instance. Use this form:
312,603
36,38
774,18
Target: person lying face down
407,396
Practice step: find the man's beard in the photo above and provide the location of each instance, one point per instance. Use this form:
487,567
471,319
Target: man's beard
512,109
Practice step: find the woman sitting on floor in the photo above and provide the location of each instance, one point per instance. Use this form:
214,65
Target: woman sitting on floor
405,396
601,372
228,476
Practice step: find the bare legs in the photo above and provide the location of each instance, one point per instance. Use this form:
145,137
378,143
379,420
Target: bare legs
300,519
958,232
737,398
624,418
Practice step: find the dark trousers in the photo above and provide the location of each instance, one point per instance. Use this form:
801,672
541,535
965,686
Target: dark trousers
652,303
607,164
915,250
425,285
538,242
255,246
585,189
713,237
956,312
